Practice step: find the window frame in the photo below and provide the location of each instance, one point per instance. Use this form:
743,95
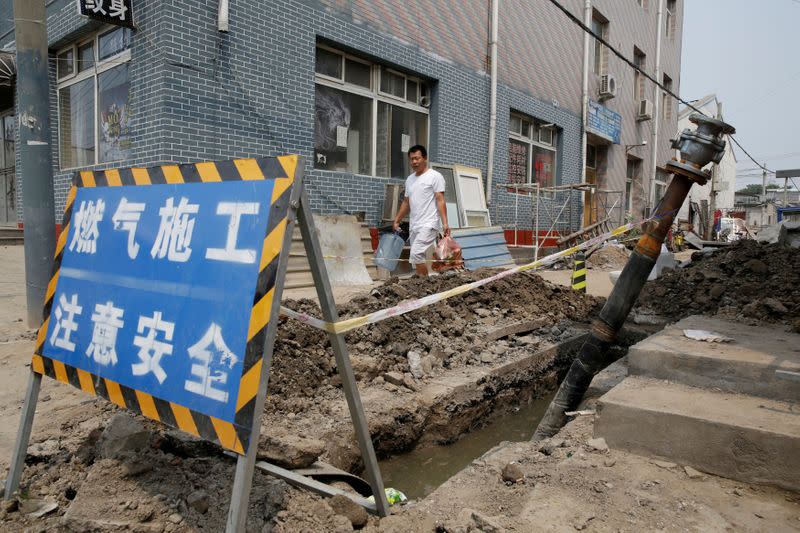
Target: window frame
376,96
639,80
599,52
669,18
666,99
78,76
533,140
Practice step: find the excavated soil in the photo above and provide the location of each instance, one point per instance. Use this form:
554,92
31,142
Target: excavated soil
172,482
750,282
449,331
608,258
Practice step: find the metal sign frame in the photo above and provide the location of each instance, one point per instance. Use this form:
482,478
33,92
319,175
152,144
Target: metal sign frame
289,205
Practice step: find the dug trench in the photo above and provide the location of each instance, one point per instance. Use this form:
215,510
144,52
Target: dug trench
426,378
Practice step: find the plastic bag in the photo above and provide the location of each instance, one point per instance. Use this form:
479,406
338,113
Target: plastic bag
447,254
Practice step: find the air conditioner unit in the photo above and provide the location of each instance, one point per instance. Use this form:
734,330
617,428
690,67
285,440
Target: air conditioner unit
608,86
645,111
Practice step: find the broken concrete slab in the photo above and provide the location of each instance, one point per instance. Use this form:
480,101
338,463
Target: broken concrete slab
516,328
731,435
289,451
747,365
122,434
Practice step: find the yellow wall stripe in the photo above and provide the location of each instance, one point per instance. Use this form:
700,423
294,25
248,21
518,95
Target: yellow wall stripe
112,177
70,197
147,405
184,419
272,244
289,164
62,239
37,363
279,187
61,371
248,169
115,393
260,315
85,379
225,433
141,176
172,174
51,287
87,177
42,335
208,171
248,386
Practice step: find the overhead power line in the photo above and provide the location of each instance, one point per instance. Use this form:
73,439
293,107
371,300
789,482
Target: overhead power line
631,64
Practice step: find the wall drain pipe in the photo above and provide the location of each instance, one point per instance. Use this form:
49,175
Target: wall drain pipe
492,100
697,149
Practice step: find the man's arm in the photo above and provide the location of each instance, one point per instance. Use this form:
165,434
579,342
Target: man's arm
441,206
401,214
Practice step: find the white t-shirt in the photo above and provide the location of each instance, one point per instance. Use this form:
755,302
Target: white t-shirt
419,191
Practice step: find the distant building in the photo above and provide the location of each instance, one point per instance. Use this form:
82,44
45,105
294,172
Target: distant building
723,185
350,85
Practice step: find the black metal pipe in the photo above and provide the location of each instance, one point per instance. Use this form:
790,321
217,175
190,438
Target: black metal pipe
697,149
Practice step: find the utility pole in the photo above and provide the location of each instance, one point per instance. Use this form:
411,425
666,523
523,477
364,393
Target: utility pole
36,166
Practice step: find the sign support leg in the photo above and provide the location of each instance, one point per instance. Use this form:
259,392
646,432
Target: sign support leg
329,314
245,465
23,434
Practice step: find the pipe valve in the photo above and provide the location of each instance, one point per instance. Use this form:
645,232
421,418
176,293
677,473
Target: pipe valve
700,147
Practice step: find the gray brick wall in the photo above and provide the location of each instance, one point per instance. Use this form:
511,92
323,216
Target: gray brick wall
197,94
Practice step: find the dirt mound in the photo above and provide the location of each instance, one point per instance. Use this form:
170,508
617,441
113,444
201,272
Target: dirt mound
608,258
450,331
751,282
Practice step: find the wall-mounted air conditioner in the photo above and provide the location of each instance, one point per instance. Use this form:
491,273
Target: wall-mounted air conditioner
645,111
608,86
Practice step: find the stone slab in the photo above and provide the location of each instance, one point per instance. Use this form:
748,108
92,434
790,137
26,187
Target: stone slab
747,365
731,435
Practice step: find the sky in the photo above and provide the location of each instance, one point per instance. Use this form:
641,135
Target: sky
748,53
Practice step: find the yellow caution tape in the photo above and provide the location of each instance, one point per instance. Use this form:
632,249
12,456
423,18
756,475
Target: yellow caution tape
346,325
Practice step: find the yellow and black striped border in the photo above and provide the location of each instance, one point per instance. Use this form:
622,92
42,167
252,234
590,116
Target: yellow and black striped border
282,170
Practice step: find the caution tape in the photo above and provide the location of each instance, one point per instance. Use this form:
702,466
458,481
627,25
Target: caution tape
346,325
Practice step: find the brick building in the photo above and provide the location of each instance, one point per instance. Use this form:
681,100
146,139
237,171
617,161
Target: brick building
349,84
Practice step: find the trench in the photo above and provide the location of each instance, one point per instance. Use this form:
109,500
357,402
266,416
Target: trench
515,412
421,471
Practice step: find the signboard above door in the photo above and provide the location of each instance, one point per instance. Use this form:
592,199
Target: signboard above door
116,12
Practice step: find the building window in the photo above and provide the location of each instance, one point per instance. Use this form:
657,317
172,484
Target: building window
670,18
367,116
640,60
94,100
531,151
666,99
599,27
659,185
632,176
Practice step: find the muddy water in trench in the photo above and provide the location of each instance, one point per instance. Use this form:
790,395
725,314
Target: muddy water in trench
421,471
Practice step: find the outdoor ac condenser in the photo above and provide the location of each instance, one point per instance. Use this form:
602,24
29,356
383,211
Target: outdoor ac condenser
645,111
608,86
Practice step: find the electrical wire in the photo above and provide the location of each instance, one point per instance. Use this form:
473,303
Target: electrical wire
631,64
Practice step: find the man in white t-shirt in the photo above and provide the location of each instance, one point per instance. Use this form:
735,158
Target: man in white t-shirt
424,203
